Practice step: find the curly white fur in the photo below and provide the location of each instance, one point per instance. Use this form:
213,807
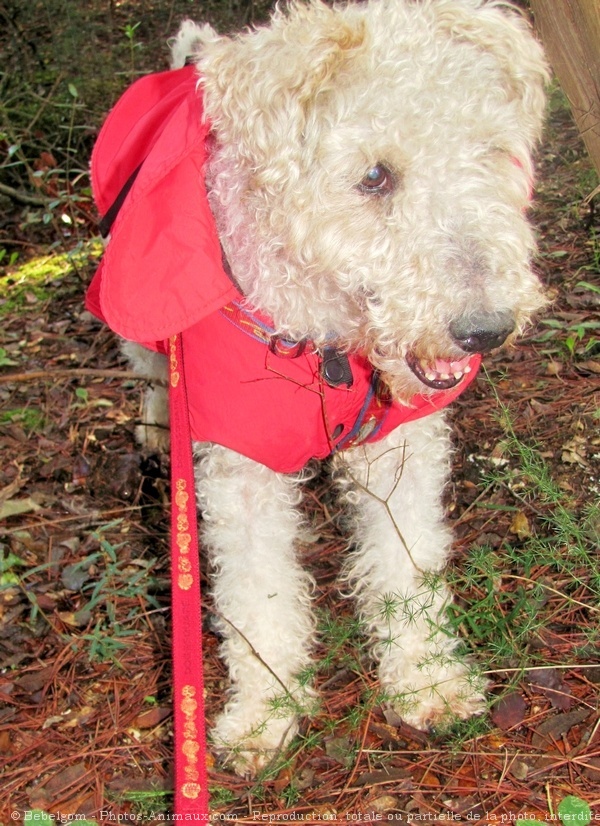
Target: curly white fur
446,97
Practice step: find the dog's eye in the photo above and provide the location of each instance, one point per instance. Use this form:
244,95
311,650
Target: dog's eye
378,181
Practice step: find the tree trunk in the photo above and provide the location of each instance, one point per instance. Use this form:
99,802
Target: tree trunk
570,32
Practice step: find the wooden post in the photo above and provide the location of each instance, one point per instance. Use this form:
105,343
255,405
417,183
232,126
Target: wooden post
570,32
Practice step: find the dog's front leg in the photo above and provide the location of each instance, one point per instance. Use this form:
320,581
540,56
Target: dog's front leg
402,544
262,599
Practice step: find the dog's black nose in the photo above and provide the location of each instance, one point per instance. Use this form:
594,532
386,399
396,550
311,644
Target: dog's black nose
482,332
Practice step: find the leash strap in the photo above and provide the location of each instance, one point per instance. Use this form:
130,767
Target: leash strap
191,782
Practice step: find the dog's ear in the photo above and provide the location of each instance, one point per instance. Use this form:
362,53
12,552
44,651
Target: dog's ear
501,29
260,85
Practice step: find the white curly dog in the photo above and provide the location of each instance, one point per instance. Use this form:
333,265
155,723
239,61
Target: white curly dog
368,167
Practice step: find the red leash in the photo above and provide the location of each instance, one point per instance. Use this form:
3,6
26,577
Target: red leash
191,782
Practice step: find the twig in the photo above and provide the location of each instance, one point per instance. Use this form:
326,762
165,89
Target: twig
88,372
22,197
87,518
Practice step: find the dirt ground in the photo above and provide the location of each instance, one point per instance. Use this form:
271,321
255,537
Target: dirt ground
85,674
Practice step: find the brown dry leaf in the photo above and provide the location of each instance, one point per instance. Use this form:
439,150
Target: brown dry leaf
78,718
33,681
430,779
519,769
151,717
553,686
591,768
465,777
15,507
574,451
399,777
64,780
552,729
520,526
509,711
79,619
339,749
283,780
383,804
588,367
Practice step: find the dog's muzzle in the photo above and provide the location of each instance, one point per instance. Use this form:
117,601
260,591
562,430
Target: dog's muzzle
482,332
474,334
439,373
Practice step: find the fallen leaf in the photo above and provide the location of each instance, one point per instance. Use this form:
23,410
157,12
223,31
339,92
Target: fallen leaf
519,769
6,745
383,803
553,686
15,507
283,780
429,779
588,367
34,681
520,526
152,717
574,451
339,749
79,718
399,777
509,711
75,576
77,619
551,730
64,779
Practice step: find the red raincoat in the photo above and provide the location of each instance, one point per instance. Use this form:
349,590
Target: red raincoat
277,402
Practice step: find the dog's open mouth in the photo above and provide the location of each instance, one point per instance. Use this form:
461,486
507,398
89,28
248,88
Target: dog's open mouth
440,373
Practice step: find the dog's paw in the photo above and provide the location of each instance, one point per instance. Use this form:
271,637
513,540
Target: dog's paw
250,748
153,433
436,697
155,438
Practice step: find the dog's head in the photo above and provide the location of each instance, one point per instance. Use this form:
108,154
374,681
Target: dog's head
371,175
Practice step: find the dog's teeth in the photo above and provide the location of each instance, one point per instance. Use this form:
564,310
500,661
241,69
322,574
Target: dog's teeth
458,374
467,369
431,376
444,376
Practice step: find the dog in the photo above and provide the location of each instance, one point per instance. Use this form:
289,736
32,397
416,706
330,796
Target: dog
341,234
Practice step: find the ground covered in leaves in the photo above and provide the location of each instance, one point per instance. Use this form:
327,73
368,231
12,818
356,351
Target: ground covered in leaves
85,675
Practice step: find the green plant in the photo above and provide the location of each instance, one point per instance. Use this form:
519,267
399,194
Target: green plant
104,579
573,341
117,579
29,418
82,395
12,257
148,805
506,604
5,361
291,795
220,796
129,32
33,280
9,565
573,809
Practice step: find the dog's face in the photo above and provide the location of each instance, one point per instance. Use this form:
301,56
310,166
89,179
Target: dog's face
372,174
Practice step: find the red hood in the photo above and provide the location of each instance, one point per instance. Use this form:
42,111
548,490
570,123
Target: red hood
161,272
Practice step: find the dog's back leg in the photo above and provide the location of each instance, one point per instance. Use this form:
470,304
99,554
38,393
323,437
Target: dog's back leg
153,432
